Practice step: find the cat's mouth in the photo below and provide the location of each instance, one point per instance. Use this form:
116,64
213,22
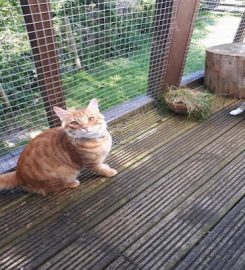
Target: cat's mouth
79,131
84,134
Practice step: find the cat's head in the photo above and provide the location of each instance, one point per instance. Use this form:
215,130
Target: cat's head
84,123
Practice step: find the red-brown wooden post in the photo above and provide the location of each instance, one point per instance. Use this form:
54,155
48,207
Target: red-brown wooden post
164,18
185,19
178,36
38,20
240,33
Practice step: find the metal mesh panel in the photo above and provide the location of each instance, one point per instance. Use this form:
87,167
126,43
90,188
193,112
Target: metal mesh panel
66,52
21,108
217,23
103,48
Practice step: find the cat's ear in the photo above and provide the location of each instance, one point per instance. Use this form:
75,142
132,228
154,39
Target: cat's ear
61,113
93,105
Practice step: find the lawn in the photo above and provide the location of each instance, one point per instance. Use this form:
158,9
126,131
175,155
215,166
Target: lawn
112,82
211,29
118,80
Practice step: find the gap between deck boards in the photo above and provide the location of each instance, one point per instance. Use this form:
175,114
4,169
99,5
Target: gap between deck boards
119,205
57,206
84,246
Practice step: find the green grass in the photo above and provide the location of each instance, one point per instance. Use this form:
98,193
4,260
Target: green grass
116,81
197,103
196,54
209,31
112,82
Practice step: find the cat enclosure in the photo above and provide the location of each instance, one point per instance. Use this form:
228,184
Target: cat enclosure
178,200
122,52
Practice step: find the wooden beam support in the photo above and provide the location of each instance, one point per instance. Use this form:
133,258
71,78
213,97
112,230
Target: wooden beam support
240,33
173,27
185,19
163,25
38,20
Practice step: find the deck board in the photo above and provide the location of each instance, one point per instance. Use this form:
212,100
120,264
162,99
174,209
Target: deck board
150,207
163,246
167,166
224,247
21,213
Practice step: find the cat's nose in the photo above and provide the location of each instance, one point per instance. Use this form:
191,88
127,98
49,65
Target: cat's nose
84,126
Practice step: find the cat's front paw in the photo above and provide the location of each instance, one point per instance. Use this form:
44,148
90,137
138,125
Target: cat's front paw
111,173
73,184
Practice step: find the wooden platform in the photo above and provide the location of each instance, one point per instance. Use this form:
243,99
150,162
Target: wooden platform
177,203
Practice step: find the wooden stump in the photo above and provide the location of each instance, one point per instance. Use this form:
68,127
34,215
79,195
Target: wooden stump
225,70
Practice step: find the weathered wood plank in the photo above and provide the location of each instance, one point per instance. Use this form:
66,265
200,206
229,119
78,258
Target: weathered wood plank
104,199
169,240
150,122
123,132
16,217
224,247
102,244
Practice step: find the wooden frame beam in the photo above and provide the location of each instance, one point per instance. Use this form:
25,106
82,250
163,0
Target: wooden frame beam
165,12
172,36
38,20
240,33
185,19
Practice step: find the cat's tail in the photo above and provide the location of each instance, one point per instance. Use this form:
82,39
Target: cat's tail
9,180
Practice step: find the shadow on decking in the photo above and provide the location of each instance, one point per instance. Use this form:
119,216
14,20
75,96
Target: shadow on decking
177,179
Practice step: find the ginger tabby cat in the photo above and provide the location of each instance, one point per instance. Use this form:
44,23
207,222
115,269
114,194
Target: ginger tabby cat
52,161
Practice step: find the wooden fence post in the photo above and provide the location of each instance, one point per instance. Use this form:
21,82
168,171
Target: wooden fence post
185,19
240,33
173,45
38,20
164,18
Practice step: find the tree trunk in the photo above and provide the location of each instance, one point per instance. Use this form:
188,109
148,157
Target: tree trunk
4,97
225,70
71,42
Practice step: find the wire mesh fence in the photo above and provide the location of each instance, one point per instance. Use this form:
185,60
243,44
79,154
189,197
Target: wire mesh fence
75,50
21,109
104,49
217,23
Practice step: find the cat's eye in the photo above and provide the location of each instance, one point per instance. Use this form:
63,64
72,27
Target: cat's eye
91,119
75,123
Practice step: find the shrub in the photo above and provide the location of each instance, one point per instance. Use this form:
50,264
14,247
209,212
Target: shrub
103,30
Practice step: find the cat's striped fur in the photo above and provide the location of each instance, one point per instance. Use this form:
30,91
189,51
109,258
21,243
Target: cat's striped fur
52,161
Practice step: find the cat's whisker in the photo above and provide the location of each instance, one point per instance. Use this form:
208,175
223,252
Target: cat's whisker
74,140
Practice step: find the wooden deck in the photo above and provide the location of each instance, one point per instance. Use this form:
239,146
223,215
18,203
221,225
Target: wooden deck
177,203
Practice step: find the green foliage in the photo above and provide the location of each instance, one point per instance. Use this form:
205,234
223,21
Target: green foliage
196,53
112,82
113,43
17,74
102,30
